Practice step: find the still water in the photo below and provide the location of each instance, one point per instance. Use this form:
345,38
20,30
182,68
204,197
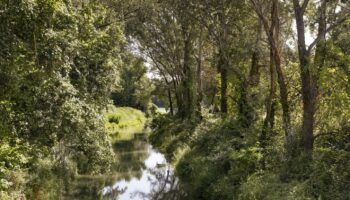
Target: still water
140,172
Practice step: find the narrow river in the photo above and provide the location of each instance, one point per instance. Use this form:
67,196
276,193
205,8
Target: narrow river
140,172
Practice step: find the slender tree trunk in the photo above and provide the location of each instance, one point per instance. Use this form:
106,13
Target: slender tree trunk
275,44
272,31
178,98
223,100
170,102
223,60
188,82
321,46
169,95
254,75
244,108
223,81
270,110
269,119
212,101
199,71
283,94
169,85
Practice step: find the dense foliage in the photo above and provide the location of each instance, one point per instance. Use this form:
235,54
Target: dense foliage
216,159
134,87
257,93
58,67
122,123
259,103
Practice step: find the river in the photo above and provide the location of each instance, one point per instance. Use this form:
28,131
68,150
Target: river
140,172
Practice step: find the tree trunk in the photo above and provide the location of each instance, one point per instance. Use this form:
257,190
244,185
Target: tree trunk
254,74
275,44
170,102
223,81
310,83
269,119
244,108
223,60
199,79
272,31
307,83
223,100
188,82
178,98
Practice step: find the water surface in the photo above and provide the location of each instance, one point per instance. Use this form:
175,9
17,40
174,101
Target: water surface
140,172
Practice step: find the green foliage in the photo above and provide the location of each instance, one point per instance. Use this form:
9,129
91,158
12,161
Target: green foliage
134,86
211,158
58,68
169,133
12,178
114,119
62,60
123,122
330,173
217,159
267,186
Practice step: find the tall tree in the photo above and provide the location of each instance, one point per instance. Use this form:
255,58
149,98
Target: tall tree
308,70
272,29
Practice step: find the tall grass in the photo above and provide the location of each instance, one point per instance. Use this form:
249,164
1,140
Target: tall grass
123,122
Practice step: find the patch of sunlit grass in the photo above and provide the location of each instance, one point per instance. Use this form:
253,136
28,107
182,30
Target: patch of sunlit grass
123,122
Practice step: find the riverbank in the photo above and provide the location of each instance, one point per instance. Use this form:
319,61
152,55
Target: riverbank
122,123
137,169
218,159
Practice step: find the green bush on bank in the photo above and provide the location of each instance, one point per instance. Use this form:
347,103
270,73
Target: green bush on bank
217,159
12,177
211,158
265,185
123,122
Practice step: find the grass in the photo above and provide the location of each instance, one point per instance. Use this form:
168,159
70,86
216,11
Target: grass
123,122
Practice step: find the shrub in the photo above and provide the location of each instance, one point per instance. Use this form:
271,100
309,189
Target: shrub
114,119
268,186
123,122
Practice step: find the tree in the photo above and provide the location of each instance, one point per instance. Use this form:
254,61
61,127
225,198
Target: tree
272,29
58,68
309,71
135,88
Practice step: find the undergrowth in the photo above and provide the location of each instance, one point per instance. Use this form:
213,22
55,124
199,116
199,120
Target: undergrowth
123,122
218,159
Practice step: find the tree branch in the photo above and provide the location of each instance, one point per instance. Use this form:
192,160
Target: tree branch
303,7
330,28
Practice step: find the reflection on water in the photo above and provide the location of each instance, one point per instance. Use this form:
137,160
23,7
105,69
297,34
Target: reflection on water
143,184
139,172
164,186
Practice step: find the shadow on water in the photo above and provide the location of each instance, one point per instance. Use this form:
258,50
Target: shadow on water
140,172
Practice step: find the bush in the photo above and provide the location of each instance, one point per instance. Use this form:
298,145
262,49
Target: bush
268,186
123,122
114,119
211,158
331,167
218,159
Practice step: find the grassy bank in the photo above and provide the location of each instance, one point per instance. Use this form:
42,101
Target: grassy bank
218,159
123,122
